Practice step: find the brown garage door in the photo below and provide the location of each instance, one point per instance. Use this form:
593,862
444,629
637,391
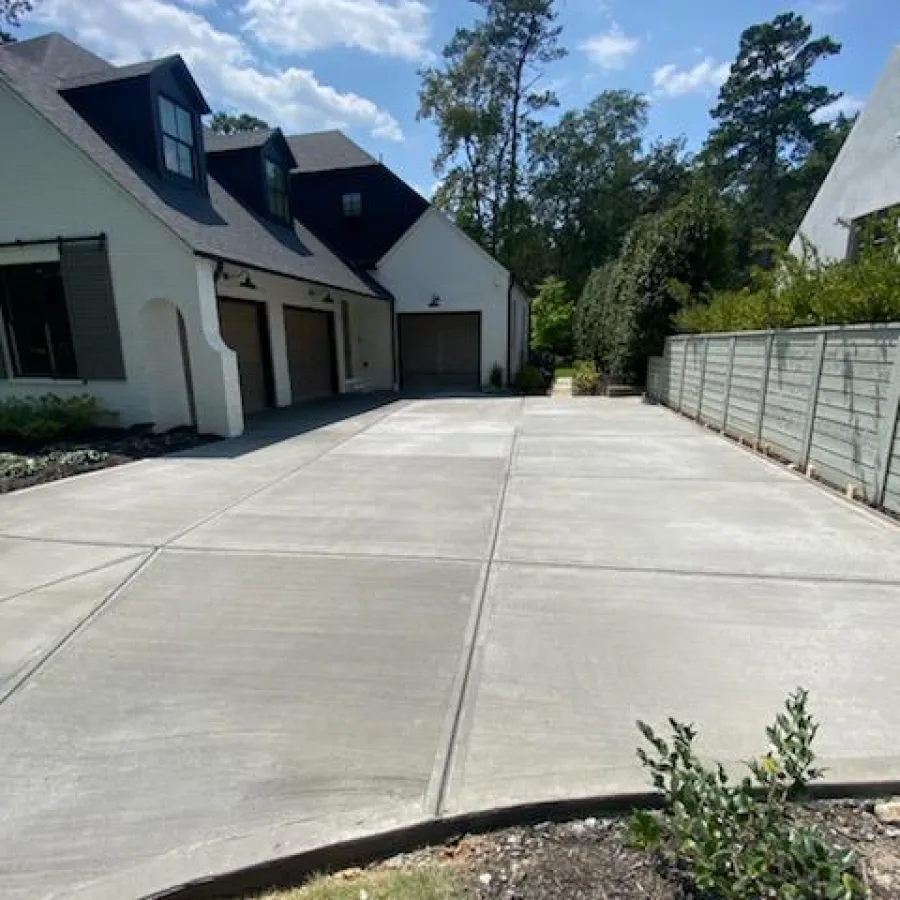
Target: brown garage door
310,350
242,324
440,351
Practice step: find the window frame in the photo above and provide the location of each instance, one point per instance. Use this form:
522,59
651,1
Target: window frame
277,192
53,338
178,140
351,204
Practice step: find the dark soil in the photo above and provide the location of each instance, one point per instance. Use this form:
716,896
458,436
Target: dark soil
590,859
26,463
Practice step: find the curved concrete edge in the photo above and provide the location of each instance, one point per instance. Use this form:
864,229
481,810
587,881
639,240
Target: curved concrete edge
285,856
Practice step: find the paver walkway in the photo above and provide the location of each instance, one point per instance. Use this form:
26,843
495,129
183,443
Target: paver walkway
422,608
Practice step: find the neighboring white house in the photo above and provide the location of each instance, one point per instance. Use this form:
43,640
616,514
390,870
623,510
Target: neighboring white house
184,278
865,177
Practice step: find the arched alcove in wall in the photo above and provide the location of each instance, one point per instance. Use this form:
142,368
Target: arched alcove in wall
167,358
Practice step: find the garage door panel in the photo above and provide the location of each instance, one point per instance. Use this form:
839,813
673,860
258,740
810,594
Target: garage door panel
440,350
310,350
241,329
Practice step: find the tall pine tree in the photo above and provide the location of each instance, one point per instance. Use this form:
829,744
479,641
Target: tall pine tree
766,119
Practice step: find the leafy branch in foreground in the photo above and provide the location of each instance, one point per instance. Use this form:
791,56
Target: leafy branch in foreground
740,841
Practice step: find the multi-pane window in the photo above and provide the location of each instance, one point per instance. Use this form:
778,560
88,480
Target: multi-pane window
873,230
38,333
277,189
178,138
352,204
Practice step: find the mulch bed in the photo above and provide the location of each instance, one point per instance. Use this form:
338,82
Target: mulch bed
590,859
23,464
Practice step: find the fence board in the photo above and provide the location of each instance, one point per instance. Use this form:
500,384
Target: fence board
840,413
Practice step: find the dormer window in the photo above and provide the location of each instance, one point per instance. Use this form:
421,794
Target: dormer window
352,204
179,151
277,191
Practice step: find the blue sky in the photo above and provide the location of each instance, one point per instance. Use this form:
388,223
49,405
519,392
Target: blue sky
353,64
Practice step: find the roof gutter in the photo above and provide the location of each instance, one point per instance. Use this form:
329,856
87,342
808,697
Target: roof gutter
257,268
38,242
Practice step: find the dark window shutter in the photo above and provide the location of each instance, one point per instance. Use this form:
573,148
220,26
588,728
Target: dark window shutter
92,310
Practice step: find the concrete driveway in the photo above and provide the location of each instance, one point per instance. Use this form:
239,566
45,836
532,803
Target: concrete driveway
421,608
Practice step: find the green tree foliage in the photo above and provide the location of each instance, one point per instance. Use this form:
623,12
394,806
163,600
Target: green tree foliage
551,319
11,12
592,319
767,125
483,98
810,291
584,172
226,123
668,257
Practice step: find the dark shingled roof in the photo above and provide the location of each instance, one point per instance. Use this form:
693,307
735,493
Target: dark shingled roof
117,73
324,151
214,142
217,225
58,56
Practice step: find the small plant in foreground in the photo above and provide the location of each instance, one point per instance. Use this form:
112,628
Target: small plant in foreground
496,379
585,379
740,841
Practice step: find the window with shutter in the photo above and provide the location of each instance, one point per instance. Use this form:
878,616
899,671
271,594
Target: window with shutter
36,319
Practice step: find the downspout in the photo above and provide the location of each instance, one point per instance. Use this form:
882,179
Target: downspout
509,336
395,363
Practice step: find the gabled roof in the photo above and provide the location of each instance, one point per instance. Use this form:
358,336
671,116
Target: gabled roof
247,140
139,70
324,151
57,56
217,225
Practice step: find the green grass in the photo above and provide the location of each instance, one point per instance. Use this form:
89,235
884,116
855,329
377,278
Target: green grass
384,884
563,372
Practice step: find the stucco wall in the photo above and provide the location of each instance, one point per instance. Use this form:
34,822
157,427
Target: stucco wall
520,325
50,189
435,257
866,175
371,343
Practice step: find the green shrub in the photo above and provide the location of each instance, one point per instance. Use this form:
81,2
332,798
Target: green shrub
805,290
496,379
667,258
530,380
740,841
48,417
585,379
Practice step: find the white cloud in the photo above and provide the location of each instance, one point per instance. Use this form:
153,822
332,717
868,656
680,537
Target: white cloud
824,9
847,105
224,66
707,75
386,27
611,49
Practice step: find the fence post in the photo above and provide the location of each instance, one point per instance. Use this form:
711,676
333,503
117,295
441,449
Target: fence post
764,388
687,343
702,379
815,379
726,399
888,431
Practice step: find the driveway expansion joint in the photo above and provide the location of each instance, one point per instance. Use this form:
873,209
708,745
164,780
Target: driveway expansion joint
448,752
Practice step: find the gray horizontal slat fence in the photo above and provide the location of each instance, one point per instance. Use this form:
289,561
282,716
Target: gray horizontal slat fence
718,353
845,438
828,398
